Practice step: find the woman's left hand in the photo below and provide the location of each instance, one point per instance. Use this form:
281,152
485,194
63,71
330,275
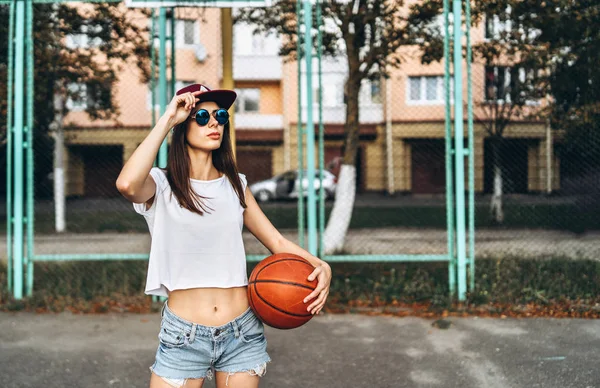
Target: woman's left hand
323,273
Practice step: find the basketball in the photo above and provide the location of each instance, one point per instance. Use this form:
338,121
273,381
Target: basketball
277,288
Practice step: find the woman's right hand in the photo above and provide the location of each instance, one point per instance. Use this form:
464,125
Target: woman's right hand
180,107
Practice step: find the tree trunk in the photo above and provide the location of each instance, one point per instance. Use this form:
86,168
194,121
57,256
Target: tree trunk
340,217
496,208
341,214
58,173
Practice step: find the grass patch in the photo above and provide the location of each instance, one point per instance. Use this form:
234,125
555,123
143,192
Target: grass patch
557,217
554,287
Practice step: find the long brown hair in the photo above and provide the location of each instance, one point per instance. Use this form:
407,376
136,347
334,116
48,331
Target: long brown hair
178,170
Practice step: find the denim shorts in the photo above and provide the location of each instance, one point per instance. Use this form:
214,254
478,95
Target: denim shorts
188,350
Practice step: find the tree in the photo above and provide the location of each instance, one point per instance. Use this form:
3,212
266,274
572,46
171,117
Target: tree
571,40
514,75
78,54
368,34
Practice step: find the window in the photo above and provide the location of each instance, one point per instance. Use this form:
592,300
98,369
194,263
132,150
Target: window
93,95
332,95
375,92
438,25
427,90
316,95
187,33
77,99
494,27
498,24
245,42
435,27
178,85
497,82
415,88
248,100
509,84
82,38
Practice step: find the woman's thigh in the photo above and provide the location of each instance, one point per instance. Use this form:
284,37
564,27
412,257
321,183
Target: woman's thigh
159,382
237,380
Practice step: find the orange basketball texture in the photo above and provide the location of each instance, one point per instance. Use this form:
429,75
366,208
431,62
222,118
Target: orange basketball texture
277,288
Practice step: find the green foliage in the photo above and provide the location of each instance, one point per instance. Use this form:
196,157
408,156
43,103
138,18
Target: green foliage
376,28
506,280
534,216
116,40
367,33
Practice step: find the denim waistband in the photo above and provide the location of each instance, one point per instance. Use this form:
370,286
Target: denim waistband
196,329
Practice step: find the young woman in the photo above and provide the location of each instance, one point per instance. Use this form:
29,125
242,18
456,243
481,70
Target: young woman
195,210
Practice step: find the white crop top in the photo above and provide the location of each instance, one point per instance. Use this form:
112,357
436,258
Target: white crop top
189,250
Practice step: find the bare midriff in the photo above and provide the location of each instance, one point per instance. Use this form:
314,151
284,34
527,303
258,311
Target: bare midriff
209,306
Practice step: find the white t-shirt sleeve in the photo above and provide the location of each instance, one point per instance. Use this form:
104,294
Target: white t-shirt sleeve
160,180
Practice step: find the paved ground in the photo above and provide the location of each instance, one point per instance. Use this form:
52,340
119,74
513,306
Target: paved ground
330,351
525,243
489,243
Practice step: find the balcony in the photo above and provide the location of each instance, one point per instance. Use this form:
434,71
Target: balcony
258,121
257,67
369,114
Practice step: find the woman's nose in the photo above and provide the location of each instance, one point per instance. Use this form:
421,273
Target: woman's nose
212,122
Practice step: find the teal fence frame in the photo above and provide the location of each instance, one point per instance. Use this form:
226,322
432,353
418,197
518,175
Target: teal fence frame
460,212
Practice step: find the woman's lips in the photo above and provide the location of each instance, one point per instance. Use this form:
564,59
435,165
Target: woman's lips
214,135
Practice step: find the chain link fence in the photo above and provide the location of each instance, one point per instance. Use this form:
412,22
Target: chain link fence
93,107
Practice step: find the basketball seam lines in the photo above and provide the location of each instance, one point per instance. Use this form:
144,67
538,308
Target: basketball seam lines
303,261
281,282
277,308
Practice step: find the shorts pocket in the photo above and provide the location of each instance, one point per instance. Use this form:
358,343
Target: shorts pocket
171,337
253,331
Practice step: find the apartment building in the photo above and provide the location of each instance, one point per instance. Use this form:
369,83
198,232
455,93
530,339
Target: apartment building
266,117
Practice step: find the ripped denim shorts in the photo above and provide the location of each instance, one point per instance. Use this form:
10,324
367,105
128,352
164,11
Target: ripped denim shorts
191,351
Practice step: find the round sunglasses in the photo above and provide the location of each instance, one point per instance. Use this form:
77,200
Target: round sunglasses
203,116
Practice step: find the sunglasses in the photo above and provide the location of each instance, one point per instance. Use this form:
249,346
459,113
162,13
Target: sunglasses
203,116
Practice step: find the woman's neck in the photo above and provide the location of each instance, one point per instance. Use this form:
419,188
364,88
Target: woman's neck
201,166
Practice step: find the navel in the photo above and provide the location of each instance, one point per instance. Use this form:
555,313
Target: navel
215,308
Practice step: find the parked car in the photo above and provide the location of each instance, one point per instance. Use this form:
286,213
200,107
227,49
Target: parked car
285,186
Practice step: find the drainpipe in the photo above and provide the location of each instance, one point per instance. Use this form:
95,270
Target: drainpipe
389,152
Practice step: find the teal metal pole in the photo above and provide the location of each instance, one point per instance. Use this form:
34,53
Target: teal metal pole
92,257
471,166
300,129
162,79
153,68
30,191
459,153
386,258
18,157
162,83
448,155
9,151
321,250
310,133
172,40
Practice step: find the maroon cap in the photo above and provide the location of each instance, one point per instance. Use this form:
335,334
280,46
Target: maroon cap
223,98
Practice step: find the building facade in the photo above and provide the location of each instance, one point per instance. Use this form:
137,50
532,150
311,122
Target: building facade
410,105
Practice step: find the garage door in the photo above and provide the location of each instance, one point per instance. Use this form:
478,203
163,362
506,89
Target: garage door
513,161
256,164
333,158
102,165
428,166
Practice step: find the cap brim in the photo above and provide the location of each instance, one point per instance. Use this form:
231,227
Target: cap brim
223,98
